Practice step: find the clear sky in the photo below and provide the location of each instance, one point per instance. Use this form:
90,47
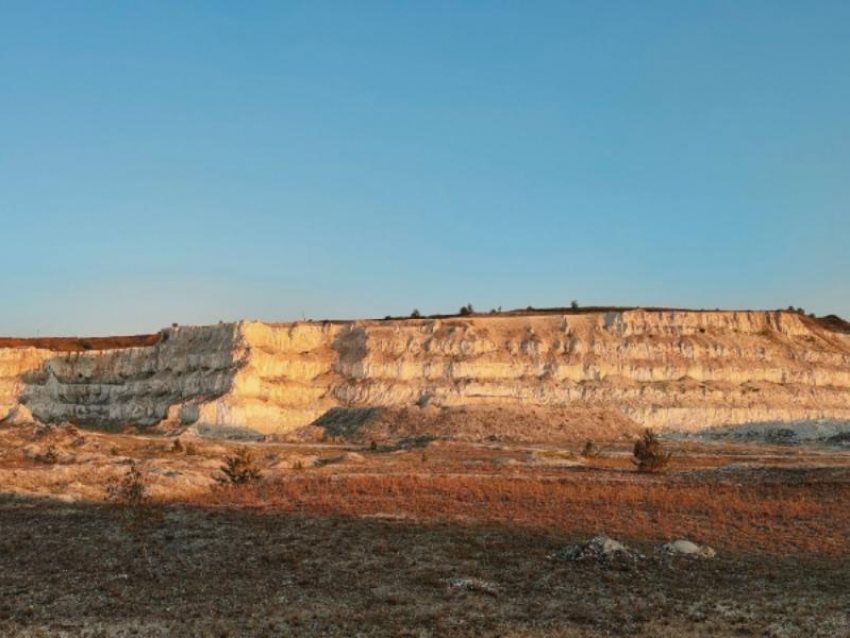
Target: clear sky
201,161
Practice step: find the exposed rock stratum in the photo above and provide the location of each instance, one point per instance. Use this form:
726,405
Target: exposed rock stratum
683,370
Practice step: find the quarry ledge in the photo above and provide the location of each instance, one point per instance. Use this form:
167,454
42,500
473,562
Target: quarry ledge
663,368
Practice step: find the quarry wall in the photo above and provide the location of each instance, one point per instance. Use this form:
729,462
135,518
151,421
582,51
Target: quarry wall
682,370
186,370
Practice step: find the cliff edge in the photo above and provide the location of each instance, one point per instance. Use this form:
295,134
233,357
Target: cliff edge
666,369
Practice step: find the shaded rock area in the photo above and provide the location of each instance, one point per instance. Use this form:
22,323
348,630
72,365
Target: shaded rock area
469,423
819,431
229,432
842,439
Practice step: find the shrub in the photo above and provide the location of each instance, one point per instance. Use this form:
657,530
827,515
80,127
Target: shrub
139,513
590,450
239,469
50,456
178,447
649,454
130,492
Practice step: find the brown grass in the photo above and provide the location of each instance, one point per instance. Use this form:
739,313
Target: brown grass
68,570
370,545
752,518
80,344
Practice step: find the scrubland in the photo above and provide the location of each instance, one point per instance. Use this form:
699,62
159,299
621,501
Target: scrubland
338,539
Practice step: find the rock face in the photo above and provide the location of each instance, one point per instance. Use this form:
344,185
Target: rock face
683,370
175,379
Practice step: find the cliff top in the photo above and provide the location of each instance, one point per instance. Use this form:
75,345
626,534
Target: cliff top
80,344
832,323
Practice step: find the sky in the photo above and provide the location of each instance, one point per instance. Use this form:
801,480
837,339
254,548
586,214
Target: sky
193,162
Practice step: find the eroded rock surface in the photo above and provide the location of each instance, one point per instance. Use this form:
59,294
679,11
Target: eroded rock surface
683,370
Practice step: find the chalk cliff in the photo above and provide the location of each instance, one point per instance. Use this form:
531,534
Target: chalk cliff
683,370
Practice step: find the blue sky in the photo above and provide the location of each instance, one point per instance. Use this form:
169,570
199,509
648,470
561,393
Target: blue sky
206,161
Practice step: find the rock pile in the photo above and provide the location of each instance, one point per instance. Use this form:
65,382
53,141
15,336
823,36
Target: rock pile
606,551
600,549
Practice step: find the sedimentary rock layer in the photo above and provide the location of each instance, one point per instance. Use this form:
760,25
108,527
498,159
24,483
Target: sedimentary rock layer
664,369
142,386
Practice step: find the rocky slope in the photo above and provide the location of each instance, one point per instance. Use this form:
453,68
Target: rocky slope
683,370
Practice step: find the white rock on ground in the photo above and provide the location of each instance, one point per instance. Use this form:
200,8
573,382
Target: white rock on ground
688,548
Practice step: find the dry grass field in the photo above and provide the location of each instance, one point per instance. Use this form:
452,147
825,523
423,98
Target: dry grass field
418,538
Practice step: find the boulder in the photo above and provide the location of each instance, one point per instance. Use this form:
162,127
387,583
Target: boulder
684,547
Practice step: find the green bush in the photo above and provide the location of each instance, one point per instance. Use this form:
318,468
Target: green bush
239,469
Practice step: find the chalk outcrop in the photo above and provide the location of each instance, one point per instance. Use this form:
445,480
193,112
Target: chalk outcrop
175,379
684,370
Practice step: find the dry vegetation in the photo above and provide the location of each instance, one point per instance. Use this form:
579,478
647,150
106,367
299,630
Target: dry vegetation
81,344
344,540
759,518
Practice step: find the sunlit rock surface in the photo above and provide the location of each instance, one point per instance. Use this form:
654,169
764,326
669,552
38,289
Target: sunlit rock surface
683,370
